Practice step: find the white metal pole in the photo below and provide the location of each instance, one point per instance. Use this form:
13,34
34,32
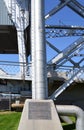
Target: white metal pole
33,47
40,51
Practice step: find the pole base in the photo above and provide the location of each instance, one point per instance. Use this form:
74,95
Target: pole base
39,115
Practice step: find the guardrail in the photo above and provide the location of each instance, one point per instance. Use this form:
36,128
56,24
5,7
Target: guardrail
12,68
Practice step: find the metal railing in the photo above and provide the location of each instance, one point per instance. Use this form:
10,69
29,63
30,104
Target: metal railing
13,68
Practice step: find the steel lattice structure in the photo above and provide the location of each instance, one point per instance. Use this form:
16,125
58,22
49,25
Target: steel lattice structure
63,31
68,59
54,31
64,60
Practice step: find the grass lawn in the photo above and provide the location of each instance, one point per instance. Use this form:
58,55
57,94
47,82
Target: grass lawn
69,126
9,120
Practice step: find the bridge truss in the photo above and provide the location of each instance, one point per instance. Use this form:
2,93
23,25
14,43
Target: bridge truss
71,58
64,42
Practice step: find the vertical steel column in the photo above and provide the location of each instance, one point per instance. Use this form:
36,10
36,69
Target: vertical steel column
21,45
21,41
33,47
40,50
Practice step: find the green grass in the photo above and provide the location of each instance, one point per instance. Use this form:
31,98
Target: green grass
69,126
9,120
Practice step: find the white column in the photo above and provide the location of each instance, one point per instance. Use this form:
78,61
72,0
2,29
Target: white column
33,47
39,50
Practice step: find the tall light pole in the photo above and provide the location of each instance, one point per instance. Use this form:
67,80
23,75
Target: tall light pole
39,71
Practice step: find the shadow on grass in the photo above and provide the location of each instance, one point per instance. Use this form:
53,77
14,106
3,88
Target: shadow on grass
69,127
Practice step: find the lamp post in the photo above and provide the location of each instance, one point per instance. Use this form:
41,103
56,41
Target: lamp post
39,71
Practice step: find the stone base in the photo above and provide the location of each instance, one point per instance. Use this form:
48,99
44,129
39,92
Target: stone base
39,115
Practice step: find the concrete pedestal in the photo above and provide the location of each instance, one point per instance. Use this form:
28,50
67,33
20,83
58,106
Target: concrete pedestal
39,115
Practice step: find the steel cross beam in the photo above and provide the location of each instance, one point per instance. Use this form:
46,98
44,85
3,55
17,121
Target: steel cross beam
73,4
56,9
76,7
53,31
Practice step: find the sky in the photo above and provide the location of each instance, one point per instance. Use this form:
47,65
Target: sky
64,17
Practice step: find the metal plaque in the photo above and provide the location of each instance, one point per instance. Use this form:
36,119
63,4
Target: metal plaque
39,111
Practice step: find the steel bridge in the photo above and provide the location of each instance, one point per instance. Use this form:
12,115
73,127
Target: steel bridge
15,37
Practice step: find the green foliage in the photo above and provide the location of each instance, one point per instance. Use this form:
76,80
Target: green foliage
9,121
